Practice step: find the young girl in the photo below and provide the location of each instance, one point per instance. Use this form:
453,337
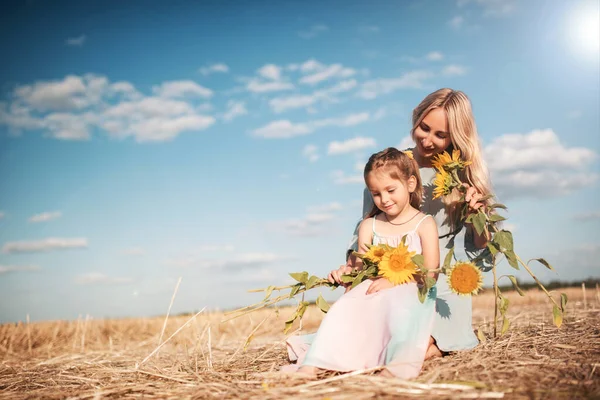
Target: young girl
377,323
444,121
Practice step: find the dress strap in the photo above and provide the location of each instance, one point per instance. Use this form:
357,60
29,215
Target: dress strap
374,218
422,219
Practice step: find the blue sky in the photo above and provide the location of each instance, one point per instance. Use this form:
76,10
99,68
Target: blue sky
222,142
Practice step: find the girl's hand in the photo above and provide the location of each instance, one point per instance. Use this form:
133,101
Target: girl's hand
379,284
335,276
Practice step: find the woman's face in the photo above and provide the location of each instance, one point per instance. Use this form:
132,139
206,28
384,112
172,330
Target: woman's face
432,136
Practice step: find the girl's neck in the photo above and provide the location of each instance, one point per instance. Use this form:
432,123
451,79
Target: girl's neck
404,217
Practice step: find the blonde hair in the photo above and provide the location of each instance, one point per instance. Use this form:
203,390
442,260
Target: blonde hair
463,134
399,166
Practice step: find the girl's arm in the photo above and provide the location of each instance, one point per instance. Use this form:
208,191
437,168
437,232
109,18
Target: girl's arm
364,236
430,244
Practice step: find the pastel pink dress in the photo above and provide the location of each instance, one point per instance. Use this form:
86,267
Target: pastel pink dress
389,328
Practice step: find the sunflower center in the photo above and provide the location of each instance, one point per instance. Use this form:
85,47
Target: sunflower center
465,279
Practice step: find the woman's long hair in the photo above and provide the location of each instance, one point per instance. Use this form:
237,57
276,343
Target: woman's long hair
464,137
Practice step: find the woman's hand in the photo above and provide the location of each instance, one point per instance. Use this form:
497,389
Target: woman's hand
379,284
473,198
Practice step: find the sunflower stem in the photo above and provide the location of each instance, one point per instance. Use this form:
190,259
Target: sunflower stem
496,295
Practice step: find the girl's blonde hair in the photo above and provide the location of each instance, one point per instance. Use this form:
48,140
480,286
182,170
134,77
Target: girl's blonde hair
463,134
399,166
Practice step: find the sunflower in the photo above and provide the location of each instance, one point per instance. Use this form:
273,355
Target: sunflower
465,278
444,161
376,253
442,183
409,153
397,266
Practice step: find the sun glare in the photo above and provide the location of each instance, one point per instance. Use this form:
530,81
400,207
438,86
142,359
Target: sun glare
585,30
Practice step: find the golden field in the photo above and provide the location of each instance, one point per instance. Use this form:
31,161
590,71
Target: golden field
201,357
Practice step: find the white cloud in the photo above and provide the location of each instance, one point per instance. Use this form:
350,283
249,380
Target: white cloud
83,104
312,224
5,269
380,113
491,8
586,217
214,68
406,143
537,164
456,22
134,251
310,152
216,248
376,87
270,71
179,89
237,262
369,29
313,31
454,70
45,216
234,109
340,178
350,145
283,129
98,278
311,65
2,214
76,41
44,245
281,104
332,71
435,56
257,86
574,114
325,208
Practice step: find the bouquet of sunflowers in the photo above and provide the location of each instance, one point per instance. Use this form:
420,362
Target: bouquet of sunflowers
400,266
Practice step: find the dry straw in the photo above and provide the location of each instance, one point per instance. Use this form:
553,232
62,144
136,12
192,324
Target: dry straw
533,360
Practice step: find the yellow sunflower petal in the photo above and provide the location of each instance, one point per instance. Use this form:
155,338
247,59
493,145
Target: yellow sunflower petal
409,153
465,279
376,253
397,266
442,184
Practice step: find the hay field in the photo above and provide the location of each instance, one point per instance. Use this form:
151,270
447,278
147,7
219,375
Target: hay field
93,359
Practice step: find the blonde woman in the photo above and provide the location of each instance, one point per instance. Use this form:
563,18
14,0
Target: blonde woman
444,121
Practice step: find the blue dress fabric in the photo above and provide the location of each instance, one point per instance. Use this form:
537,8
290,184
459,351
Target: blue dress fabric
452,327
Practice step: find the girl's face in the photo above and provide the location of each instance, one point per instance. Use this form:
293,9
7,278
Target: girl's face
431,135
392,196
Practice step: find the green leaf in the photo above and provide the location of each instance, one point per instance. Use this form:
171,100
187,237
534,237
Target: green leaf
288,326
557,316
480,335
505,326
511,257
479,222
563,302
269,291
322,304
347,278
301,277
469,219
418,259
543,262
515,284
486,197
492,247
312,281
496,218
503,305
430,282
423,294
448,258
504,240
295,289
498,205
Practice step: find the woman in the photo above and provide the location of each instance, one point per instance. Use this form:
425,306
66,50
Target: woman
444,121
